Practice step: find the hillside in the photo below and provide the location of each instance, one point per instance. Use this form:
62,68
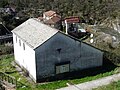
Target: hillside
90,11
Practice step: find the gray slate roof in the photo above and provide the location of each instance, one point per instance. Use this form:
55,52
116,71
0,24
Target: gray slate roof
34,33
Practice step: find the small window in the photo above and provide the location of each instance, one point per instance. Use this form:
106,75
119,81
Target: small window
62,68
19,42
16,39
23,46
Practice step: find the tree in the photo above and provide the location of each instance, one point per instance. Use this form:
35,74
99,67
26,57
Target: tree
3,3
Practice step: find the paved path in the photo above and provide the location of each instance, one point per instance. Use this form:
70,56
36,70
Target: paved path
93,84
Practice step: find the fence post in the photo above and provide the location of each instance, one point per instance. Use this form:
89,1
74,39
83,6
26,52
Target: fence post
12,81
4,77
9,79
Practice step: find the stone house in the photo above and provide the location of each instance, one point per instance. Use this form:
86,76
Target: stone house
52,19
47,52
49,14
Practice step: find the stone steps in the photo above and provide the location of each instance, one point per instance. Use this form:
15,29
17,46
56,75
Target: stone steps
8,86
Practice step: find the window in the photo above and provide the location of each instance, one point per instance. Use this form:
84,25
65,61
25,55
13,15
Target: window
19,42
23,46
62,68
16,39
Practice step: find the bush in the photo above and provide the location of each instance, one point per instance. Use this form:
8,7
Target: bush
6,49
112,57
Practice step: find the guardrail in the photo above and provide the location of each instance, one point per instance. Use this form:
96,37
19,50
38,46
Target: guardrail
6,36
7,78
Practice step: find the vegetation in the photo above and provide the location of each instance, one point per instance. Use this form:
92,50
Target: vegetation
5,66
3,3
90,11
6,49
111,50
112,86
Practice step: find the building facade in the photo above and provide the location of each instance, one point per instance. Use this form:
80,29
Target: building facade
46,52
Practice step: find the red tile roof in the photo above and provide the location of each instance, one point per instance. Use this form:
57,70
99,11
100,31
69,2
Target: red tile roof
49,13
72,19
53,20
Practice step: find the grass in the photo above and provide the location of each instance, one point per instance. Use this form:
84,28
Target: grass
5,66
112,86
5,61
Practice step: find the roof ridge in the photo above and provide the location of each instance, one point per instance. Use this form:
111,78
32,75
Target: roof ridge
34,32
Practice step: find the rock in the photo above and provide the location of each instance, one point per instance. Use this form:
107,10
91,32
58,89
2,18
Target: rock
114,44
114,38
91,40
23,86
107,39
102,37
91,35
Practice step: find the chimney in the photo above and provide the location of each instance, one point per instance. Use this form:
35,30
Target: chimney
66,31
